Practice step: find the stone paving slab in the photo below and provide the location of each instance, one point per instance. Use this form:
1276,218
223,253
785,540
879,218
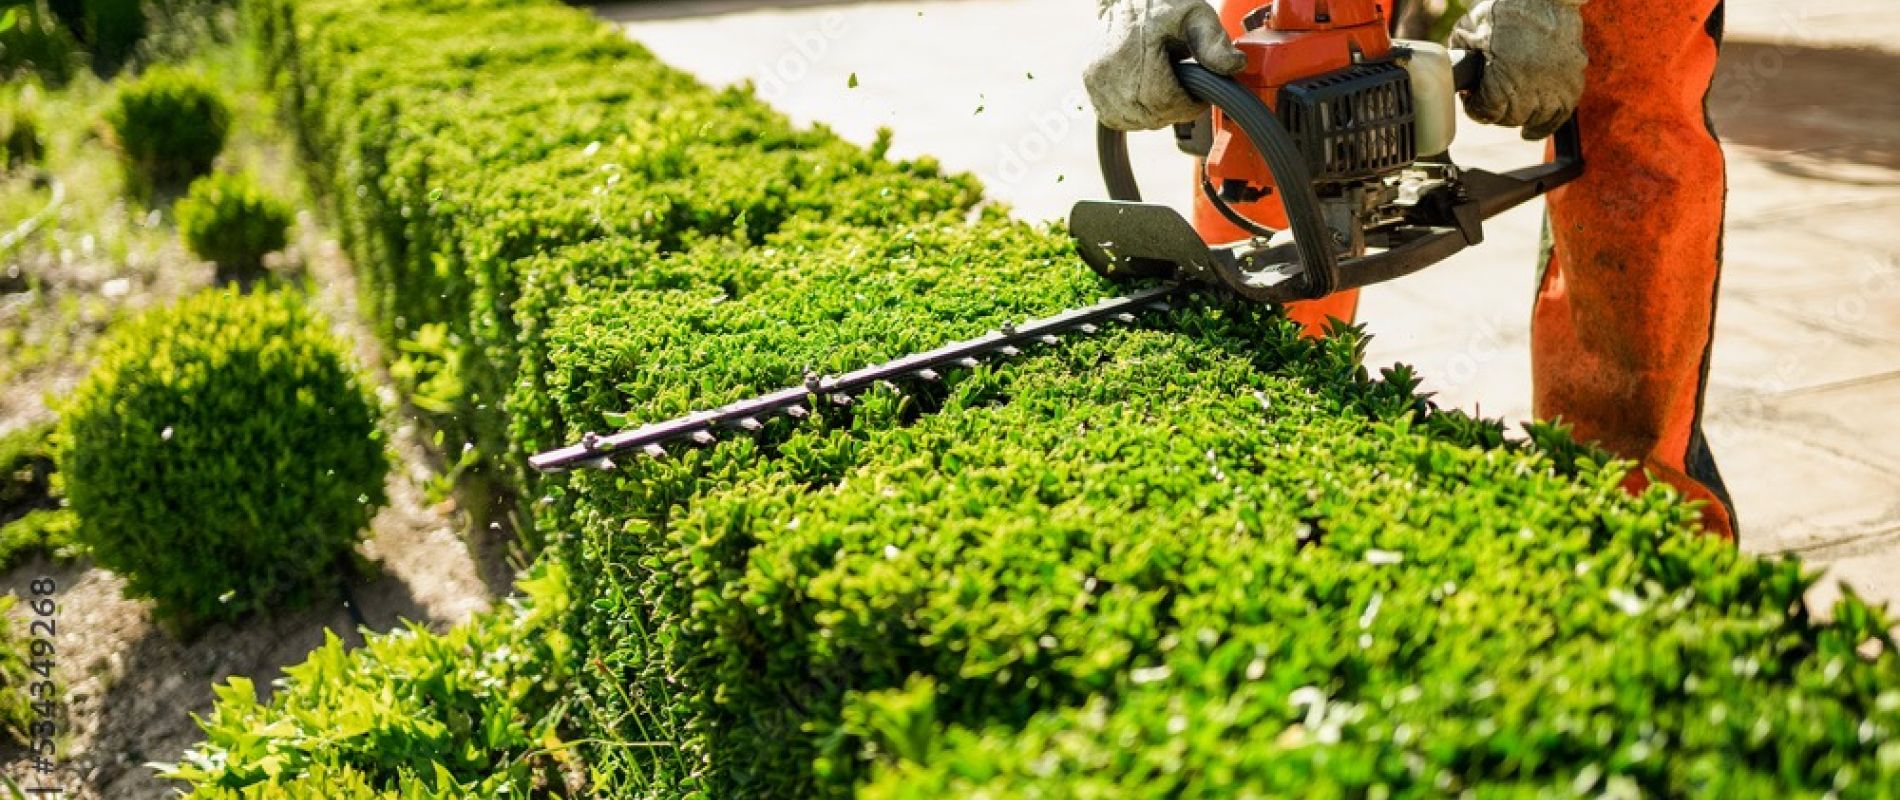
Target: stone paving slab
1804,405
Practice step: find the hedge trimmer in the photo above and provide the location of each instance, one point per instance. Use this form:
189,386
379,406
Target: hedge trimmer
1329,151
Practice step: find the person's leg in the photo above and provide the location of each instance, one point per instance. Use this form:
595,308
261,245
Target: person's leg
1312,315
1626,305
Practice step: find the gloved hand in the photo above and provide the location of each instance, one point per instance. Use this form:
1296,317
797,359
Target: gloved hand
1533,62
1131,81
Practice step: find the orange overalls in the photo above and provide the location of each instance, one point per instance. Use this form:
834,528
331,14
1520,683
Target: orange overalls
1625,307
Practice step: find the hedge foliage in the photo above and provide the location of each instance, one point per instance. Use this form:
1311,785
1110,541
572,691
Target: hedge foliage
31,519
410,714
223,455
1198,557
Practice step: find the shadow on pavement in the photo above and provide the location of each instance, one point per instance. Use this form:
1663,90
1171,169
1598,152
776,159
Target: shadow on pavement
1836,105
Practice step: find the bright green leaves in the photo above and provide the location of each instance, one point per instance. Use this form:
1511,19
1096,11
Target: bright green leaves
228,220
223,455
459,714
1199,557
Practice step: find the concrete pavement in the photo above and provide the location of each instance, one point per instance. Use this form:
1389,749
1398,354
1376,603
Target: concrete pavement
1803,410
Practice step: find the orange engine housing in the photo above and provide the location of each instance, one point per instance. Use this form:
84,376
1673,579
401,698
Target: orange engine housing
1294,40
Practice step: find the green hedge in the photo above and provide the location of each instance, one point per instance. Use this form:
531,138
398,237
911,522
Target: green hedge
1047,581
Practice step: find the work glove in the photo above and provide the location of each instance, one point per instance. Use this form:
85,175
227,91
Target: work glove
1131,81
1533,62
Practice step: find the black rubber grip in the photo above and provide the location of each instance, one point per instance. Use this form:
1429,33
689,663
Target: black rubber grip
1319,263
1111,150
1467,69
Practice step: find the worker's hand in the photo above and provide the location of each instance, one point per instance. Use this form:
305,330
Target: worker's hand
1132,79
1533,62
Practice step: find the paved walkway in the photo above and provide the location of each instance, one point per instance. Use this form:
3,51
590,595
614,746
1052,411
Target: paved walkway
1804,406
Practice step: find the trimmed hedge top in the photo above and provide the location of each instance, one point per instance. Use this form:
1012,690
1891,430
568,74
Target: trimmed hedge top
1200,557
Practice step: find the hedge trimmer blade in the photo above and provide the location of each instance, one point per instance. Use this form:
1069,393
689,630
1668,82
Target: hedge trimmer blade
747,416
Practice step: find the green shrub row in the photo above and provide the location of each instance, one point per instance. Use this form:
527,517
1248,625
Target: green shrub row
1111,568
456,139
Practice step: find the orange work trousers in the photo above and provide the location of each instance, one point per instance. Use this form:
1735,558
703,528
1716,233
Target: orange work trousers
1625,308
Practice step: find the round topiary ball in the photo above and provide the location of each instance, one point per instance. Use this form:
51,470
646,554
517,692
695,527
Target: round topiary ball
223,455
169,126
227,220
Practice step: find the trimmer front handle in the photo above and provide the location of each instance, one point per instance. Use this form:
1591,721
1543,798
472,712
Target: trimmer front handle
1124,237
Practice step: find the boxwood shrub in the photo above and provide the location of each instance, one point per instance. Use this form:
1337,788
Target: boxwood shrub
223,455
1200,556
168,125
227,220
